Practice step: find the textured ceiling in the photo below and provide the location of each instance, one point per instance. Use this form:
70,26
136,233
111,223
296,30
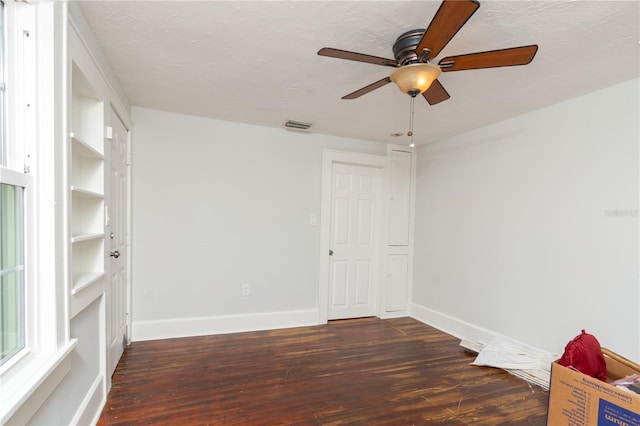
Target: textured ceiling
255,61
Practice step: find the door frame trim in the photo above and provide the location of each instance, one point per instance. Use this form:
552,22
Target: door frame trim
330,157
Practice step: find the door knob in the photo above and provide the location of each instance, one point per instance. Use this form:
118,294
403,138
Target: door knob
115,254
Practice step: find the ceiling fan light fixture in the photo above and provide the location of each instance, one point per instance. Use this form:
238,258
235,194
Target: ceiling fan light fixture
413,79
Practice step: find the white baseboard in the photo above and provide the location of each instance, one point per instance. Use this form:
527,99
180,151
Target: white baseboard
451,325
394,314
90,408
202,326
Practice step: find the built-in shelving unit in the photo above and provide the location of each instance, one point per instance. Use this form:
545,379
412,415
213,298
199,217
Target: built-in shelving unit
86,184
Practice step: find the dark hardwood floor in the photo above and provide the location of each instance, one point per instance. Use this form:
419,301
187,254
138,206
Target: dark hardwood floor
355,372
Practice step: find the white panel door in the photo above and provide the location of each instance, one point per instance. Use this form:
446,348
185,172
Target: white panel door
397,282
400,198
117,235
353,261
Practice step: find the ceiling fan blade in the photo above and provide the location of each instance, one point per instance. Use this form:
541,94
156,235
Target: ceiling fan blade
358,57
367,89
494,58
448,20
436,93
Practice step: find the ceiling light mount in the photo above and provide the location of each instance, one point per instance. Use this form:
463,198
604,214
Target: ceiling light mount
404,48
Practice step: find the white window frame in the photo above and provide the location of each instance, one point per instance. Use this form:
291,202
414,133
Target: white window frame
30,113
21,180
19,143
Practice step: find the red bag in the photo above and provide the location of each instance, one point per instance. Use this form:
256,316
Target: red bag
584,354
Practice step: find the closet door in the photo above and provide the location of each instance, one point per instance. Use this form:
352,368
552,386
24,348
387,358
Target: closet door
117,228
399,245
400,199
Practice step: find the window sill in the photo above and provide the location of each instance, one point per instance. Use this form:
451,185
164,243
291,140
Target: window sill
23,395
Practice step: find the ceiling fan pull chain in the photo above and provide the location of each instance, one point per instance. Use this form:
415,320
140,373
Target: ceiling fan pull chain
411,114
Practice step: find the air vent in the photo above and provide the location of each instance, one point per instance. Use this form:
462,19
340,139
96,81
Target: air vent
297,125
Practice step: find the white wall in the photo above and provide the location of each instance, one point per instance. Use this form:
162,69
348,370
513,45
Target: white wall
217,205
517,231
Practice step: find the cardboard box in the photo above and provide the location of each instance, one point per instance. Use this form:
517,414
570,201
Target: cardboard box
576,399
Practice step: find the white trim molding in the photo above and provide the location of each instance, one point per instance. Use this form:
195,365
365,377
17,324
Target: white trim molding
451,325
88,413
21,400
203,326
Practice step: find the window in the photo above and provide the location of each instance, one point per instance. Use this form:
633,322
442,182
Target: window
11,271
14,201
34,343
2,86
11,239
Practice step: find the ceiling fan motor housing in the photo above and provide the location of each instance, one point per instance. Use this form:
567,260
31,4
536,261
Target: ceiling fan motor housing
404,49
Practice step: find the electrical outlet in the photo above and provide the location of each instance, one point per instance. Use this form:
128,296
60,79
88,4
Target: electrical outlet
246,290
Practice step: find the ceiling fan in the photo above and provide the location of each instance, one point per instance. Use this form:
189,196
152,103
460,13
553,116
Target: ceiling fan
413,51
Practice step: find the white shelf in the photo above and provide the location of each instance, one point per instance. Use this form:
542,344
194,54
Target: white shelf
85,237
87,256
81,148
82,192
85,279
